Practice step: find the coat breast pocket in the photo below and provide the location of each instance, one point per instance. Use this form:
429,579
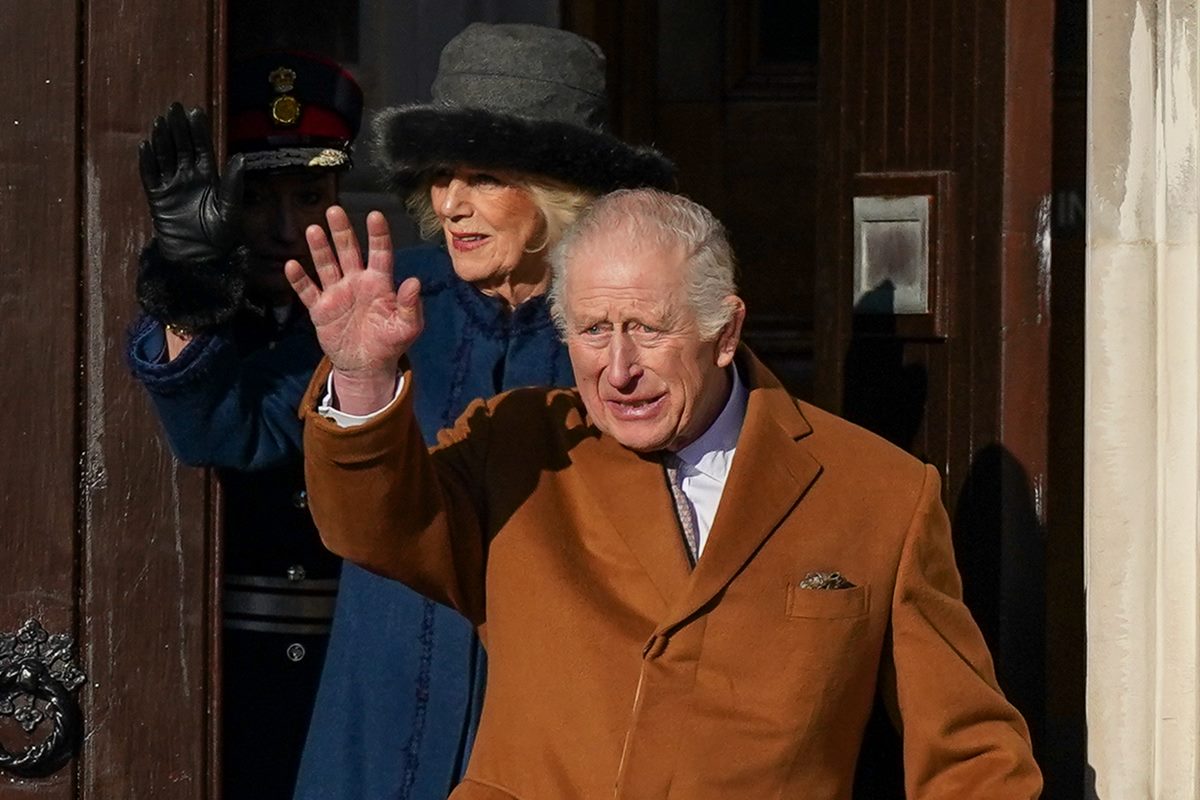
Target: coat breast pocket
788,672
848,603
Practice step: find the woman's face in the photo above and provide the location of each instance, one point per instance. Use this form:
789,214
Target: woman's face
490,222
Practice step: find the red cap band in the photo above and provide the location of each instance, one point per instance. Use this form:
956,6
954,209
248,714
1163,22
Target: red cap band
315,122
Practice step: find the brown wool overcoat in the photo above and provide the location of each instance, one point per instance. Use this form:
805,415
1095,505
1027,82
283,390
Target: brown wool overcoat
614,671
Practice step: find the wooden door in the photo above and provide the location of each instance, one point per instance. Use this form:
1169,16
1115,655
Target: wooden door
105,539
961,90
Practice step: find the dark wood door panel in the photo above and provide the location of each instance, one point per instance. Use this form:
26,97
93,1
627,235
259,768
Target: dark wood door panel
754,165
105,537
769,204
146,555
964,87
38,303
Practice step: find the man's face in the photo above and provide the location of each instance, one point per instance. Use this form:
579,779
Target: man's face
277,207
643,371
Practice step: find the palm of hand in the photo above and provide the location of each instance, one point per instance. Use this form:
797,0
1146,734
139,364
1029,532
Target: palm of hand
363,323
360,325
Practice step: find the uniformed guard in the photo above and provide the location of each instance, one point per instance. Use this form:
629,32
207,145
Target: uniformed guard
216,304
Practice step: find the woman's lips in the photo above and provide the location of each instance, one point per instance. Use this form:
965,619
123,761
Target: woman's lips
465,242
634,410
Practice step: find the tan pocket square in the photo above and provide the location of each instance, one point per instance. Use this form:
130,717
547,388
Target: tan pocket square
825,580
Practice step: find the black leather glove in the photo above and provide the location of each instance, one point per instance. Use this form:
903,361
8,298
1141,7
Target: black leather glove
195,211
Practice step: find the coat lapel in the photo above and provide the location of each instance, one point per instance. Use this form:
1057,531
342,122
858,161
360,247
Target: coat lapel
771,471
632,493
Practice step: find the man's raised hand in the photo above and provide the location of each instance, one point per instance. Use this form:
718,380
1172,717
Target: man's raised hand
364,325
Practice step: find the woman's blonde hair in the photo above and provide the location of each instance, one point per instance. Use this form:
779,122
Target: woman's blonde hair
558,203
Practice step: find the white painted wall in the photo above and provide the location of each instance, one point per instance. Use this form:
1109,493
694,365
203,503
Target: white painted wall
1142,400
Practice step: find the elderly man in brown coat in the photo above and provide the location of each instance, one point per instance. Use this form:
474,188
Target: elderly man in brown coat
691,585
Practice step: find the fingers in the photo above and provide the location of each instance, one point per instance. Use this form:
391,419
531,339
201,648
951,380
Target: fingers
302,285
229,196
181,136
328,271
148,167
379,243
408,303
202,142
164,147
408,293
348,254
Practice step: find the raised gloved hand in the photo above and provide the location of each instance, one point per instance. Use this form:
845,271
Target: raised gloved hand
195,210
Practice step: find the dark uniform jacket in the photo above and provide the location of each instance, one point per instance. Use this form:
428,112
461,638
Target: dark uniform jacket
280,583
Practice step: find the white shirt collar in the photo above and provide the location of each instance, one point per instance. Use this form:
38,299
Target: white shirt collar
712,452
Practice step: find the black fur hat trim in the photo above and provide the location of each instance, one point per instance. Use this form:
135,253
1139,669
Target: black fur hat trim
191,296
410,140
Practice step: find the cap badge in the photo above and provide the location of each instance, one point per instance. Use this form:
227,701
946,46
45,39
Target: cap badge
285,109
328,158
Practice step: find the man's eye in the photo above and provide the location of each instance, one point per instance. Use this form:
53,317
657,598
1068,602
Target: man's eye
644,331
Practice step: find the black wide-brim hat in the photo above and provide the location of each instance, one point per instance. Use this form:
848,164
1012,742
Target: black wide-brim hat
517,97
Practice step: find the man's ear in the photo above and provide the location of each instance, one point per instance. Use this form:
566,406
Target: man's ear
731,334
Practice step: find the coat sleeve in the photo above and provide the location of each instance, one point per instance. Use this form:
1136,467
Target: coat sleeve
220,408
197,296
383,501
962,738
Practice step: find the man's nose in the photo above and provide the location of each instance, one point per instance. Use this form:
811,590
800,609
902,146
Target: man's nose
623,363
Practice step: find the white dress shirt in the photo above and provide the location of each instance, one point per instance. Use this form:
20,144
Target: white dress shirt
707,460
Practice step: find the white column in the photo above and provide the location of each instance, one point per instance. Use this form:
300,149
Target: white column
1142,400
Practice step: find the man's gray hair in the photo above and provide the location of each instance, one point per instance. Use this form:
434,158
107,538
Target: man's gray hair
648,218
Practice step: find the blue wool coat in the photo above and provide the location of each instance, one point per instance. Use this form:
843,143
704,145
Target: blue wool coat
400,695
